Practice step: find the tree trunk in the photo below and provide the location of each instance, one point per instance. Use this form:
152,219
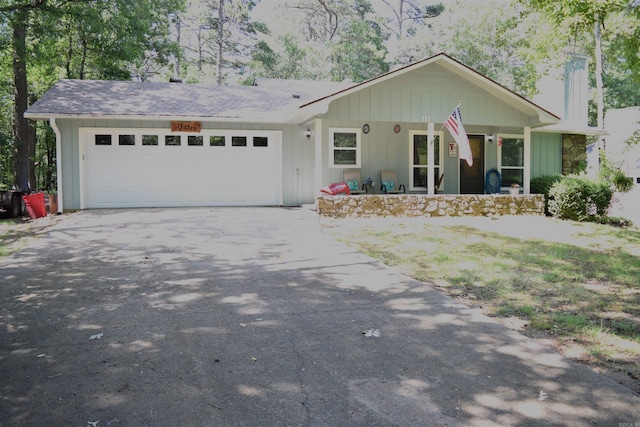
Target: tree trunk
24,142
69,52
599,84
178,41
220,41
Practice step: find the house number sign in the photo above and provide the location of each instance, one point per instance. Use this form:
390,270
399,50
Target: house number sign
186,126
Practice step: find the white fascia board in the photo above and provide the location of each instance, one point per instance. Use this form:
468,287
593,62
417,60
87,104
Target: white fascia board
307,113
564,128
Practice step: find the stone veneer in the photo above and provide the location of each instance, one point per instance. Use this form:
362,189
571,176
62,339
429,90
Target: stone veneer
574,153
421,205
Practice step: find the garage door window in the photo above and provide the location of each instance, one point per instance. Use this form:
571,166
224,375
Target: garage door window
149,139
172,140
103,139
126,140
194,140
238,141
217,141
260,141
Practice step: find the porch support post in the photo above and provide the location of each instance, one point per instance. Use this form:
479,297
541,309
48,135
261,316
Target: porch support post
526,176
317,138
430,160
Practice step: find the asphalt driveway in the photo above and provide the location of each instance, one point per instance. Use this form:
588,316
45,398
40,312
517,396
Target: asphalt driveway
250,316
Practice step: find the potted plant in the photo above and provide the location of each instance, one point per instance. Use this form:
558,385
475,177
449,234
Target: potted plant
515,189
53,202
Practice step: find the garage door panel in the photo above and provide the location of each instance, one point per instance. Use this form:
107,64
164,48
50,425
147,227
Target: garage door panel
147,176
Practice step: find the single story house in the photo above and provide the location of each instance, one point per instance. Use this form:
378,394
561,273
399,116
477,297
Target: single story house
130,144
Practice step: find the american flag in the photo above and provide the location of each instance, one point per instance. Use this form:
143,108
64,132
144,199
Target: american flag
455,127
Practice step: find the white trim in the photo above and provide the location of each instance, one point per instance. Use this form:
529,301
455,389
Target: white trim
316,135
56,131
526,188
430,155
357,149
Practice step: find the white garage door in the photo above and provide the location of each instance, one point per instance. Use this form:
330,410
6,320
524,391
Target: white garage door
149,168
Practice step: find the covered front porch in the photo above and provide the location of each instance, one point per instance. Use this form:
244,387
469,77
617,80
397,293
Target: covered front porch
397,122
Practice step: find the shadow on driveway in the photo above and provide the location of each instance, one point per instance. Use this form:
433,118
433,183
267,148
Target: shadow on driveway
250,316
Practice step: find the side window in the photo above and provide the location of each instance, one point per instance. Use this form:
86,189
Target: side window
344,148
511,151
419,159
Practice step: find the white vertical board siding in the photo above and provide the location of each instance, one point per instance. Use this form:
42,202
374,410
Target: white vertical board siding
546,153
433,93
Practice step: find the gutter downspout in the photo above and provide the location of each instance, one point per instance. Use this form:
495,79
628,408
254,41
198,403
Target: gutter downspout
56,130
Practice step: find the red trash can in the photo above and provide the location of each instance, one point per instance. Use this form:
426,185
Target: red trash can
35,205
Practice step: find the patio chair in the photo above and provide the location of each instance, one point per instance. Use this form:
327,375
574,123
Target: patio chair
389,179
352,178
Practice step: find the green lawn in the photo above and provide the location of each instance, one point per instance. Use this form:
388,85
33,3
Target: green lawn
576,282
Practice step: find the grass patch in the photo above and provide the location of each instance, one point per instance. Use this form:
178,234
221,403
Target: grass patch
16,233
585,288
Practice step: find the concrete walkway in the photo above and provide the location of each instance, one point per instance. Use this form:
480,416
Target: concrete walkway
252,317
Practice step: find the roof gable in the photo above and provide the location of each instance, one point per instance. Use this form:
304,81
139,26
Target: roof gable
538,115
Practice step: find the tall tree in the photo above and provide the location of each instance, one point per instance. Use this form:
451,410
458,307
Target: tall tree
409,12
97,39
218,34
325,40
581,16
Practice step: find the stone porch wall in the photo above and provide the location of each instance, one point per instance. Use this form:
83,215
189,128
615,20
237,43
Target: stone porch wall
421,205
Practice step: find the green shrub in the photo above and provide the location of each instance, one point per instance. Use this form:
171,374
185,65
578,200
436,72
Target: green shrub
579,199
613,175
541,185
621,182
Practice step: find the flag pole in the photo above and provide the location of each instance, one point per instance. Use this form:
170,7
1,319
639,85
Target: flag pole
457,106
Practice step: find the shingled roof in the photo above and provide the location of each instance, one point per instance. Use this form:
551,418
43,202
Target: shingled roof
118,99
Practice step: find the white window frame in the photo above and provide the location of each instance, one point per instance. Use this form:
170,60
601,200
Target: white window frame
438,167
524,167
357,149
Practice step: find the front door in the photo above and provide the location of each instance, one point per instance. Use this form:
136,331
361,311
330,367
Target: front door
472,177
